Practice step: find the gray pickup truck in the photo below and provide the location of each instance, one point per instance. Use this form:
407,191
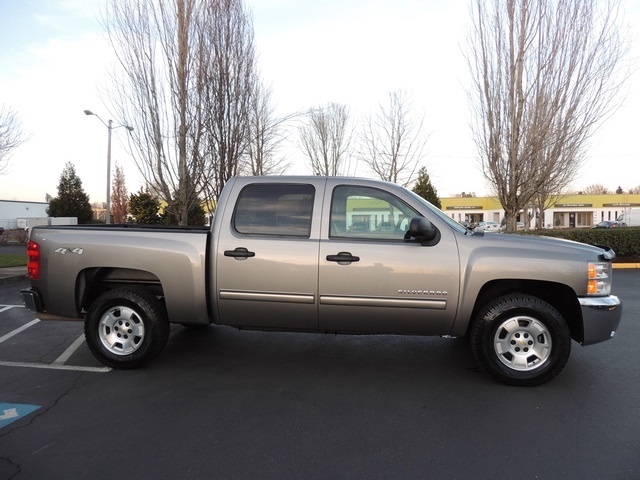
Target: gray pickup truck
331,255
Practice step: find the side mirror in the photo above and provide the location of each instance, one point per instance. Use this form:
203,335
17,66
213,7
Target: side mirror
424,231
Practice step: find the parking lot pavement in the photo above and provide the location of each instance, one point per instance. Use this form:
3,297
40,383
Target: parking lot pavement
27,342
12,274
221,403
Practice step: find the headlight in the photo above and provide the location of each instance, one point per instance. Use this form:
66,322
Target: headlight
599,278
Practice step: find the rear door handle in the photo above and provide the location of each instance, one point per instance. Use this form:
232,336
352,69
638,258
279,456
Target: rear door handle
239,252
343,257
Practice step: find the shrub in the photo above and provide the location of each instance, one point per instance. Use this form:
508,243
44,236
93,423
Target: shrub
624,241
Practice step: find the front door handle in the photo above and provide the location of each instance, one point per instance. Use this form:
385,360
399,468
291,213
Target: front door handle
239,252
343,258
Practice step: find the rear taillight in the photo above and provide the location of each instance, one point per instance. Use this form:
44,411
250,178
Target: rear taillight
33,263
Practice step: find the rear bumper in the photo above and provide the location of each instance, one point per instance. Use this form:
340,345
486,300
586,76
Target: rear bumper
600,318
33,301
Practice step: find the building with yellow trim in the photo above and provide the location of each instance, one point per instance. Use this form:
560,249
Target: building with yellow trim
570,211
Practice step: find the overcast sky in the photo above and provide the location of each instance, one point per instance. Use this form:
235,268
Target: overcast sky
54,63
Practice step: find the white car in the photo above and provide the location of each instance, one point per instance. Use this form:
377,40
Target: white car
519,226
488,226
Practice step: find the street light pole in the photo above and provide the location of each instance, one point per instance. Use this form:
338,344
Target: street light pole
110,127
107,215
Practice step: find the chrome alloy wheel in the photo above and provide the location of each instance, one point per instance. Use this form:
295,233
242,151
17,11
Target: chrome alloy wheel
522,343
121,330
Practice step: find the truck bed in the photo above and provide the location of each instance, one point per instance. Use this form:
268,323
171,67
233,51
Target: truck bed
89,259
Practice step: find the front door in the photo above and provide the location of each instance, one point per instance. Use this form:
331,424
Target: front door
374,280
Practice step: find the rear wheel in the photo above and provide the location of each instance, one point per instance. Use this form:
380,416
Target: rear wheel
521,340
126,328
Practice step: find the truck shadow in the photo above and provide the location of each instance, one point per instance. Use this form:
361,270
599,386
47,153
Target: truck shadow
246,354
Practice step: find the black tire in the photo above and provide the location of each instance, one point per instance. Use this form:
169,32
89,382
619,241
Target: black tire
520,340
126,328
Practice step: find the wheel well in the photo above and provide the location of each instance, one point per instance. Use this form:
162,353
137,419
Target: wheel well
562,297
93,282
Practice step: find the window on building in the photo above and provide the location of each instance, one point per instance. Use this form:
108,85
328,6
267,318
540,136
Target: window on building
583,219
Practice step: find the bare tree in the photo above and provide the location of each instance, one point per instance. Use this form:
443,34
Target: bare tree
265,134
186,76
11,135
545,74
596,189
325,139
559,164
119,197
393,142
229,84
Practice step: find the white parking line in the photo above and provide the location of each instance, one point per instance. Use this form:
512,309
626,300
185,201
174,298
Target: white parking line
18,330
56,367
4,308
58,364
69,351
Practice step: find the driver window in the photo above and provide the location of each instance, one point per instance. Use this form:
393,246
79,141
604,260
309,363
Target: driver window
368,213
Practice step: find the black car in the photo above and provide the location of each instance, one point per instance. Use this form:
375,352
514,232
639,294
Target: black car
468,225
609,224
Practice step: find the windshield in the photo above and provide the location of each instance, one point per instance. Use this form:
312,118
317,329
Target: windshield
439,213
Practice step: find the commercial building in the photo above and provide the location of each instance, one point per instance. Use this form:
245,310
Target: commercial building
570,211
26,215
12,213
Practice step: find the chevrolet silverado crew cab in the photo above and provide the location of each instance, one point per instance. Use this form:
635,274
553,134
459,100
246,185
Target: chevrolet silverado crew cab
332,255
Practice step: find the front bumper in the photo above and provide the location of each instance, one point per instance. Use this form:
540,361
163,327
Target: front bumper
600,318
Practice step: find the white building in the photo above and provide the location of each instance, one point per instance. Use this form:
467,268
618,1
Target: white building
11,211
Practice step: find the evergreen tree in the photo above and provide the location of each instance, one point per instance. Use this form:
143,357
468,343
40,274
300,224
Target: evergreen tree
144,207
119,197
72,201
195,215
425,189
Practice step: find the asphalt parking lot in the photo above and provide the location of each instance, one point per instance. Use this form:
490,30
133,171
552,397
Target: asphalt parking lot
224,404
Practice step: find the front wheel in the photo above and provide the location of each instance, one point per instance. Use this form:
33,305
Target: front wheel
521,340
126,328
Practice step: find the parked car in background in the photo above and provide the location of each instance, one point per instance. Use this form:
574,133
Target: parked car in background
386,227
1,230
609,224
519,226
359,227
488,226
630,218
466,224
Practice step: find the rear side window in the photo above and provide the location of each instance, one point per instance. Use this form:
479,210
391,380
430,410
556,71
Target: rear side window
281,210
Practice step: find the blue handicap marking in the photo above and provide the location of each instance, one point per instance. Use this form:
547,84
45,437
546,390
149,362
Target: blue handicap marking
10,412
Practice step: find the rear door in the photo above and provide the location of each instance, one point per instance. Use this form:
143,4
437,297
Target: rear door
374,280
267,255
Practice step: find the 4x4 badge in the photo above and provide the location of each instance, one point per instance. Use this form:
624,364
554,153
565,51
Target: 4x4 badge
64,250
